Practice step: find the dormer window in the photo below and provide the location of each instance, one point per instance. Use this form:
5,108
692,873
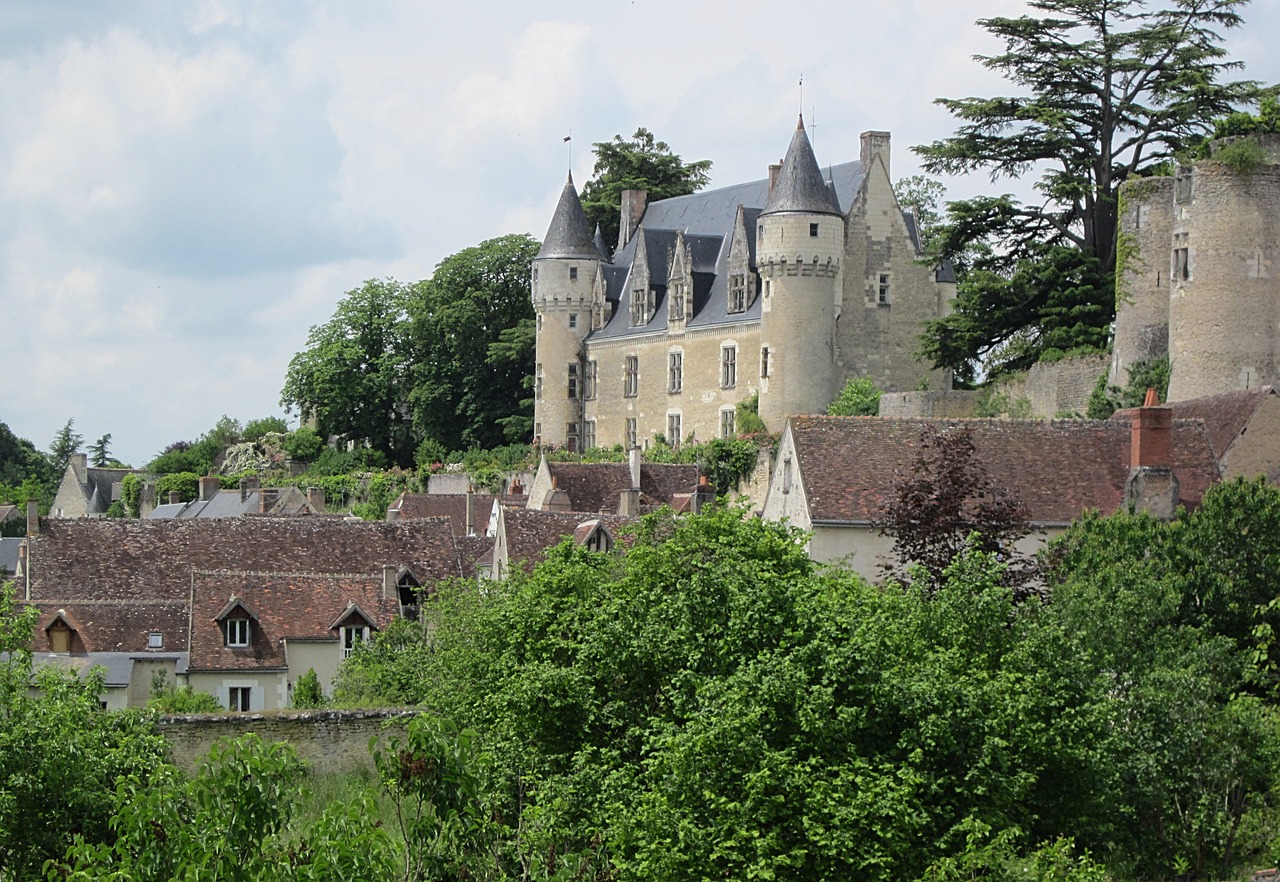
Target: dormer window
738,292
59,637
353,636
353,628
676,311
409,590
642,302
236,633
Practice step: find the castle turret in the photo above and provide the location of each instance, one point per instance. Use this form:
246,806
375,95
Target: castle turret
568,299
1142,274
799,246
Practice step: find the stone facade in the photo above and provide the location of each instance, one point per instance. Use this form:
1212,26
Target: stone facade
783,288
1201,269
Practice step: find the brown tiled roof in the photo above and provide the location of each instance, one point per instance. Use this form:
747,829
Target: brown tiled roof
597,486
472,551
1058,469
113,626
530,532
449,505
83,559
1225,416
288,606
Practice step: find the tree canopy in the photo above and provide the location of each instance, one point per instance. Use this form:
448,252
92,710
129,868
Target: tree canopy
640,163
1106,89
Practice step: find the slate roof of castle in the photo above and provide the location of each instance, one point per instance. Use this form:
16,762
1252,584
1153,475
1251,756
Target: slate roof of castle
598,486
131,560
1057,469
448,505
287,606
98,485
530,533
569,235
1224,416
800,188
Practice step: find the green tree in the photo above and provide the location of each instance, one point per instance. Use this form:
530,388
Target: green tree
254,430
353,377
100,451
1107,89
641,163
307,691
20,461
922,196
66,443
466,389
859,397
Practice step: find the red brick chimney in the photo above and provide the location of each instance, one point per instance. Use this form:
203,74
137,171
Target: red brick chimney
1151,435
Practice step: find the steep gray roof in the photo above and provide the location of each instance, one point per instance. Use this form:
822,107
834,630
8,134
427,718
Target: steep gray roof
800,187
569,236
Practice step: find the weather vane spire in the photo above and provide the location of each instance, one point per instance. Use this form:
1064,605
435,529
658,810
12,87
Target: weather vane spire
802,94
568,139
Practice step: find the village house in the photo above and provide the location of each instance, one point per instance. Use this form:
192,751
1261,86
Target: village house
522,536
835,476
249,498
88,492
237,607
629,488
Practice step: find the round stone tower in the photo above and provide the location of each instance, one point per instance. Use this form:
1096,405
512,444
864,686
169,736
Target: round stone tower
1225,274
568,302
799,245
1142,274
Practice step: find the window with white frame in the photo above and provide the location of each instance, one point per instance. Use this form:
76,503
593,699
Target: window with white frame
728,366
673,429
728,423
240,698
353,636
675,371
236,632
631,376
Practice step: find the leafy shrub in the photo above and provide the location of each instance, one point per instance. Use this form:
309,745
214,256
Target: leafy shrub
747,416
307,691
303,444
859,397
254,430
186,483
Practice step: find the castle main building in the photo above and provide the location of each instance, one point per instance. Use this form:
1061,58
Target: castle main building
785,287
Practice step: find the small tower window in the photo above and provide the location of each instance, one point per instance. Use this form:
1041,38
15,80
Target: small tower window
882,293
1181,265
675,372
537,382
813,230
573,319
573,381
573,274
728,367
764,361
631,376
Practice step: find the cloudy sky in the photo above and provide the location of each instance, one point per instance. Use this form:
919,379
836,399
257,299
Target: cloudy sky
186,188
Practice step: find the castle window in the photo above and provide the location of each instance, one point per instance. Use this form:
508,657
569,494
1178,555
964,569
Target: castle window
813,230
631,376
633,436
535,274
764,361
1181,264
737,292
673,429
882,293
239,698
573,319
236,633
728,367
573,381
675,372
727,423
588,434
571,438
676,308
1182,185
573,274
589,381
537,382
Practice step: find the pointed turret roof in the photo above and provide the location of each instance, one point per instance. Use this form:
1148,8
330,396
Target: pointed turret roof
569,236
800,187
598,238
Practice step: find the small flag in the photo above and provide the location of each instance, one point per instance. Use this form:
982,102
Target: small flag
568,137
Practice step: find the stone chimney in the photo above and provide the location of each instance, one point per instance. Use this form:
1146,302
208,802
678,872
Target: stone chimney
315,496
634,202
389,591
247,484
1152,486
469,526
633,460
775,169
174,497
874,144
33,518
556,499
629,503
209,485
79,463
267,498
516,488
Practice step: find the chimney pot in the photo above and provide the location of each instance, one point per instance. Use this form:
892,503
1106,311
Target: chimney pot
174,497
775,168
33,518
315,496
1150,438
209,486
633,461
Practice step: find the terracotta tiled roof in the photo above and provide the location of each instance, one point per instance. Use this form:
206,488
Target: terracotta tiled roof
530,532
449,505
298,607
1225,416
113,626
1058,469
597,486
472,552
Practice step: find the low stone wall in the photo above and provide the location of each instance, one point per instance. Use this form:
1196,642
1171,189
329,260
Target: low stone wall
1058,387
331,741
948,404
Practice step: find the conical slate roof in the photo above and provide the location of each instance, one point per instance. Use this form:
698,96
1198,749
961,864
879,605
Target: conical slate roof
800,187
569,236
598,239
